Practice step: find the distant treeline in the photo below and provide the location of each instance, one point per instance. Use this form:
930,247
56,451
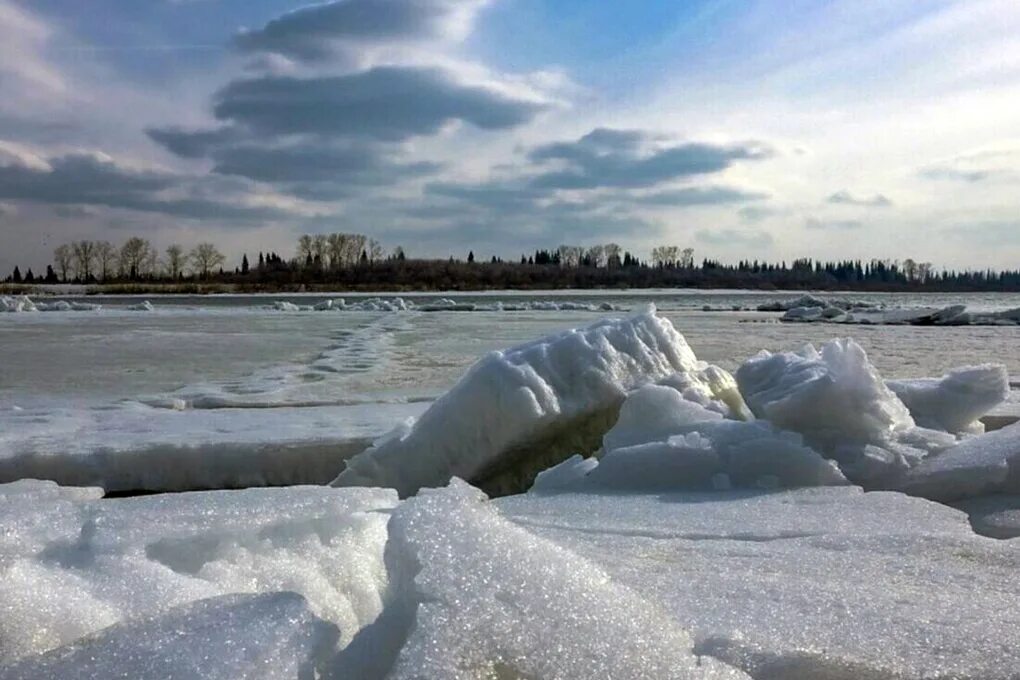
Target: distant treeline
356,262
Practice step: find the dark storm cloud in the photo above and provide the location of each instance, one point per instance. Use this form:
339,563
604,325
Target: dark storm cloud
83,179
846,198
313,33
615,158
388,103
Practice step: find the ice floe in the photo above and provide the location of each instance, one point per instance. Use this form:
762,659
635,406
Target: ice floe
953,315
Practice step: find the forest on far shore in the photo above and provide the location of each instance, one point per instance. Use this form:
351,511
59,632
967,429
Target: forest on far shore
356,262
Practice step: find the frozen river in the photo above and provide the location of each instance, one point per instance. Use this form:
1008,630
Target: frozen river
251,371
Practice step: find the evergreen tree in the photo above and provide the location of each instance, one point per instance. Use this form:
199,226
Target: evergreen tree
17,275
244,263
471,256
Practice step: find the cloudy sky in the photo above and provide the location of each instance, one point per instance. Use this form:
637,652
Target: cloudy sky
743,128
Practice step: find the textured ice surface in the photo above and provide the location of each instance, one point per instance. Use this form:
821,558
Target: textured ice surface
70,566
518,411
837,400
826,583
271,635
979,465
955,401
134,447
494,600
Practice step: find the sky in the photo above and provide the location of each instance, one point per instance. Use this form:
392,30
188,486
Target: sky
745,129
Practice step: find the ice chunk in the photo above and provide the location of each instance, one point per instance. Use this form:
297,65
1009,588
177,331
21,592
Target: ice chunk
663,441
832,397
493,600
836,399
801,302
955,401
143,306
827,583
521,410
977,466
272,636
564,475
71,567
19,303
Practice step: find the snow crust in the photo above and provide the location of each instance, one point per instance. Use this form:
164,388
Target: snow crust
521,410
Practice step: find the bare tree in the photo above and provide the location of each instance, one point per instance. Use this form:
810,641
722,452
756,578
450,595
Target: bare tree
204,258
106,259
612,254
375,251
570,256
304,248
320,249
63,257
687,258
337,245
84,257
134,256
175,260
910,269
596,255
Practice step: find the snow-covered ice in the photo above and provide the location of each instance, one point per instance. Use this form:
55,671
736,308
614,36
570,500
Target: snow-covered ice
670,537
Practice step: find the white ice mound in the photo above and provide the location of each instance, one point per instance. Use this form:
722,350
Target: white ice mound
272,635
832,396
663,441
955,401
488,599
518,411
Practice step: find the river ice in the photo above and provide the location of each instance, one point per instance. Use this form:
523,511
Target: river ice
709,514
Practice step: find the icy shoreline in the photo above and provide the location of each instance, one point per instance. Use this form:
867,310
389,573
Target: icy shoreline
693,524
